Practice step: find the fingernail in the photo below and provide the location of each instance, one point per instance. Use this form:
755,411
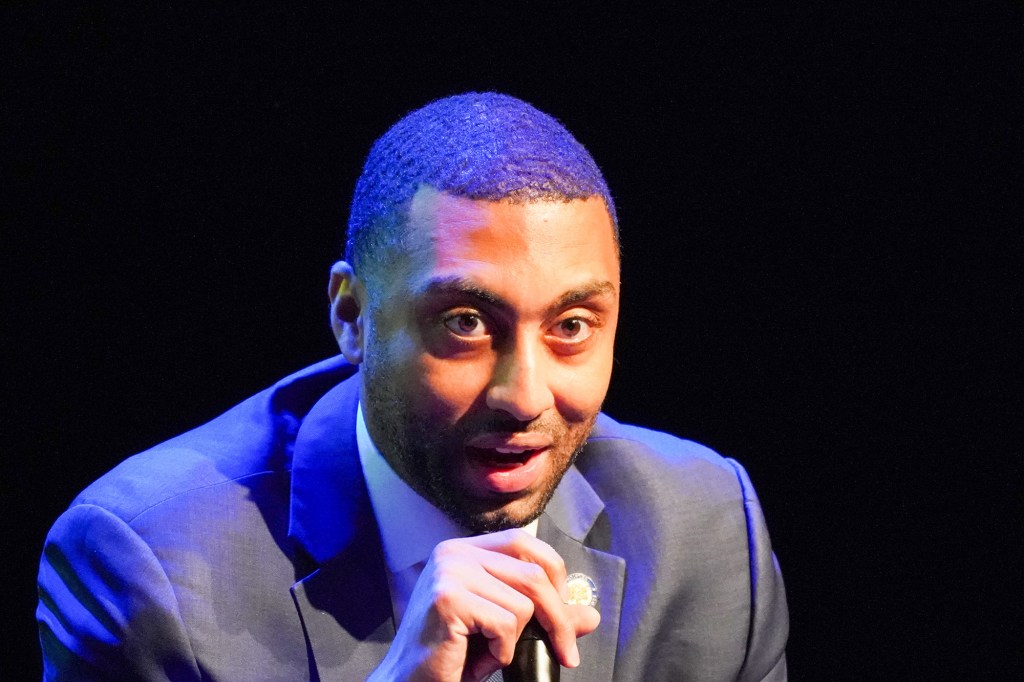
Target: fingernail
574,657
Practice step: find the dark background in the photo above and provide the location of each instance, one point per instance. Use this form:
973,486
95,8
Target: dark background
821,235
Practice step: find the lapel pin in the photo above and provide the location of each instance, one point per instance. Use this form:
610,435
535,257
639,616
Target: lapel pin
581,589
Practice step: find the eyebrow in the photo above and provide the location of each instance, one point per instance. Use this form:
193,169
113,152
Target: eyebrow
583,293
461,286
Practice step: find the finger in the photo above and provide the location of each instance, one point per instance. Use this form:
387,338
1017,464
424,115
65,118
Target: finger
512,580
532,580
480,663
499,625
585,618
466,566
488,585
581,620
519,544
530,566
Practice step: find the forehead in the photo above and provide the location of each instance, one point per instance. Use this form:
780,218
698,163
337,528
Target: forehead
537,246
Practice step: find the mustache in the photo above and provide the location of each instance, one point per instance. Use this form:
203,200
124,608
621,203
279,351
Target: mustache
499,424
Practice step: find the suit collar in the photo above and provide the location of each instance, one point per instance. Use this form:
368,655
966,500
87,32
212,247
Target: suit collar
328,492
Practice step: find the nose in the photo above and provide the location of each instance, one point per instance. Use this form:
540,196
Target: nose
519,386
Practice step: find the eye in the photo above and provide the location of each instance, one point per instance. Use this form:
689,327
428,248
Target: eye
468,325
573,329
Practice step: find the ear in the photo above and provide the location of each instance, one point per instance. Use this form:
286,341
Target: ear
348,298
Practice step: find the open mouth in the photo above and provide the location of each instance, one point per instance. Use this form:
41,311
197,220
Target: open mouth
506,471
503,458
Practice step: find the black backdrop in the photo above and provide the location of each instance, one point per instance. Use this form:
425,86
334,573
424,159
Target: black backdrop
820,237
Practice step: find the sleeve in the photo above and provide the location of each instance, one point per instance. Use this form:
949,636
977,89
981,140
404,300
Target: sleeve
107,610
769,620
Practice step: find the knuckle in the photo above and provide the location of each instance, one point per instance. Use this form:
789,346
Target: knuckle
553,560
523,608
448,555
443,596
518,539
535,575
444,550
528,542
508,625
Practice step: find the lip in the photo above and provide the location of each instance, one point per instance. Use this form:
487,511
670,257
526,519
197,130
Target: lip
493,470
510,442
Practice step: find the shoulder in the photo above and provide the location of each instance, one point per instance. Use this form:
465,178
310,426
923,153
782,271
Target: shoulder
689,525
249,440
644,463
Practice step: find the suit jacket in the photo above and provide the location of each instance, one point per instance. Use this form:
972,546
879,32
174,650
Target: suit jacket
247,549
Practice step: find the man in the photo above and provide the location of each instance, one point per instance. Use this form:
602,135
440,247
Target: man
403,512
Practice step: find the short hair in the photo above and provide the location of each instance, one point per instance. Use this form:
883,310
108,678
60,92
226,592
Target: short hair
485,146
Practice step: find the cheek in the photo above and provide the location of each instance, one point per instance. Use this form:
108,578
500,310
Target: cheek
580,391
453,388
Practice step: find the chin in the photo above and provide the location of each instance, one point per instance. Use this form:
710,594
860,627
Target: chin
515,514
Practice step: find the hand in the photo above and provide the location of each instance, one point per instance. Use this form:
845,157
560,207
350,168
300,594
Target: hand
487,586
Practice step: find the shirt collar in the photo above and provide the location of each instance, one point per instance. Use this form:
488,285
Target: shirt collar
410,526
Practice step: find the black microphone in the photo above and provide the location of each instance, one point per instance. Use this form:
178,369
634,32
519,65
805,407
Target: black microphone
533,660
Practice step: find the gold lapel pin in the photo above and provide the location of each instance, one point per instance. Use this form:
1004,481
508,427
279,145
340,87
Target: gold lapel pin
581,589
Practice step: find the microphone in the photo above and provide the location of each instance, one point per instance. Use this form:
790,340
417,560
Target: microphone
533,660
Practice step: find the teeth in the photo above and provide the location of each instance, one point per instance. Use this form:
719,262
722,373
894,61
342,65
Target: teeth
513,451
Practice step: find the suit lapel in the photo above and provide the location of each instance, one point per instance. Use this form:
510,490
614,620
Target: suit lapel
571,521
345,608
345,604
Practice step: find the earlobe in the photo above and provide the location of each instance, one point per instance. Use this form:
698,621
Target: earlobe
346,296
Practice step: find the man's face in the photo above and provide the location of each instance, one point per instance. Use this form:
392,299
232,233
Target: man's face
488,351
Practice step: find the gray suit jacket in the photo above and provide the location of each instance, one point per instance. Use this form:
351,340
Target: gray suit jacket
247,550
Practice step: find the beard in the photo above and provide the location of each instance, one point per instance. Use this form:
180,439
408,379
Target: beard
428,450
